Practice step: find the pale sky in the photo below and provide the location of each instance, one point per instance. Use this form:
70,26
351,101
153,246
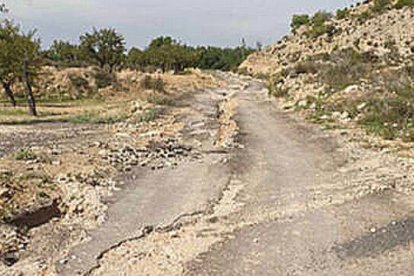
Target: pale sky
195,22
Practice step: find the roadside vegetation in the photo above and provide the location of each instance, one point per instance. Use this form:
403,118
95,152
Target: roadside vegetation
23,63
357,87
339,80
320,24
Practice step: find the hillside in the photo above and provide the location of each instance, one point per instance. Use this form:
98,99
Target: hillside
352,69
360,29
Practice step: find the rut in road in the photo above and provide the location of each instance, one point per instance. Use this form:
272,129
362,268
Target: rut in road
307,217
295,205
156,199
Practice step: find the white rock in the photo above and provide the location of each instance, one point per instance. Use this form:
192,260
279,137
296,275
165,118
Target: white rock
303,103
351,88
361,106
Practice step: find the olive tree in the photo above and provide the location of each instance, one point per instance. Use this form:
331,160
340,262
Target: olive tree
106,47
19,59
9,59
63,52
30,62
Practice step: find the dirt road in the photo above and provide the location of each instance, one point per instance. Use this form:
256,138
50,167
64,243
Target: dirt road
292,200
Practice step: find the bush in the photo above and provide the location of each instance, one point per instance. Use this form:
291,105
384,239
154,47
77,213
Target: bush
342,14
321,17
308,67
381,5
347,68
299,20
156,84
161,100
149,116
364,16
390,117
25,155
274,89
104,79
319,26
80,84
404,3
317,30
78,81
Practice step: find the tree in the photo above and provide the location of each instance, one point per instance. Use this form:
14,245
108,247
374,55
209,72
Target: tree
9,58
19,59
63,52
321,17
28,49
136,58
106,47
167,54
299,20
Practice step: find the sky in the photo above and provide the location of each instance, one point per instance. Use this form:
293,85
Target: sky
196,22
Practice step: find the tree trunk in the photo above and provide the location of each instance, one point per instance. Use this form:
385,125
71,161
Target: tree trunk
28,90
9,93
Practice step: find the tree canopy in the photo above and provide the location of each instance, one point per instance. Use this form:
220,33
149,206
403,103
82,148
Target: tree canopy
64,52
19,59
166,53
106,47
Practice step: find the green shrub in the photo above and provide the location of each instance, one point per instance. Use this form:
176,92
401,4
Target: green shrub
299,20
81,85
391,117
404,3
318,24
342,14
104,79
381,5
347,68
307,67
149,116
274,89
78,82
25,155
321,17
156,84
161,100
364,16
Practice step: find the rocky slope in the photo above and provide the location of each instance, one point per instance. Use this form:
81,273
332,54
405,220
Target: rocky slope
352,70
361,29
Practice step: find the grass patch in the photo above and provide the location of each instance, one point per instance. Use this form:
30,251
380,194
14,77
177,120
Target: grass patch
391,117
161,100
94,118
25,155
15,111
149,116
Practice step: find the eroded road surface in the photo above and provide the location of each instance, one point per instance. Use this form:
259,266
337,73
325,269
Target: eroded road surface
285,199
